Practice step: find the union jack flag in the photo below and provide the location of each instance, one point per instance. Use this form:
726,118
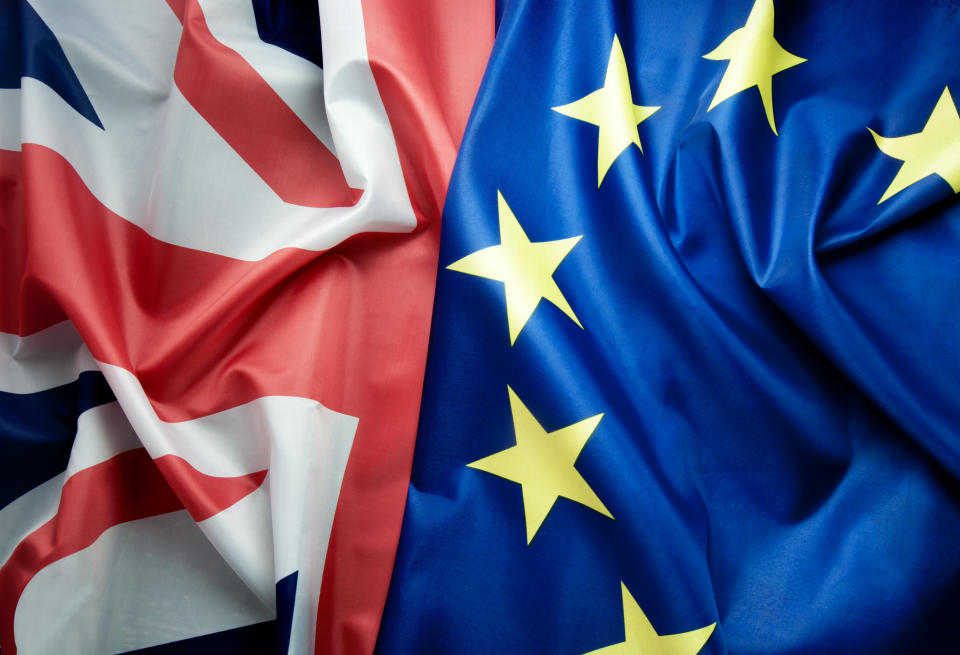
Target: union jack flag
219,250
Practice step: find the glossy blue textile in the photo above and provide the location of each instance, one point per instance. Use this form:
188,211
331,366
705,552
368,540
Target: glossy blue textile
775,353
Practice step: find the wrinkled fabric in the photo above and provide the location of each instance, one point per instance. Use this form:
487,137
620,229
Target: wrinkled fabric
774,351
217,264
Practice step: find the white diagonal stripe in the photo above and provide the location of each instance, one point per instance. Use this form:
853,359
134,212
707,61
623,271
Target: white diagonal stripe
43,360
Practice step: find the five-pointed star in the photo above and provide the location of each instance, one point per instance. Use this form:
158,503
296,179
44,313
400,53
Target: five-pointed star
933,150
642,638
542,463
525,268
755,57
611,108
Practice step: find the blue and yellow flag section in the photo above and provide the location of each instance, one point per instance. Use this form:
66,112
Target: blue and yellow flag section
694,369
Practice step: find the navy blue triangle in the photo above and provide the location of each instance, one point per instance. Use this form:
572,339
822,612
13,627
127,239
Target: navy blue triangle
286,598
29,49
37,431
293,25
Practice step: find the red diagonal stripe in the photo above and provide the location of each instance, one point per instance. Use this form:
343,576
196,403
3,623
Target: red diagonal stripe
25,307
127,487
124,488
205,495
243,108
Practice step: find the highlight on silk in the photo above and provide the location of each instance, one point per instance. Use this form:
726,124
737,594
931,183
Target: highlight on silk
520,326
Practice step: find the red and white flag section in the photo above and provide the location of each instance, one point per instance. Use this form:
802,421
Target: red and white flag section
217,275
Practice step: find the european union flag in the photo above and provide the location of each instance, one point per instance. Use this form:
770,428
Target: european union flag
694,375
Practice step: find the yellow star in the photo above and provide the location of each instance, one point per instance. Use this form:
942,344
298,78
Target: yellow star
542,463
755,57
611,109
525,268
933,150
642,638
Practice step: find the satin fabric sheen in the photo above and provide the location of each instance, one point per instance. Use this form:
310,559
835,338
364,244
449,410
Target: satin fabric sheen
774,352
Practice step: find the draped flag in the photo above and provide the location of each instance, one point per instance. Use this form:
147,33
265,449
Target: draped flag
694,371
219,237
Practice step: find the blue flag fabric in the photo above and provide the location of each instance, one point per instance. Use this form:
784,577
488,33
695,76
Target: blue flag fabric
694,372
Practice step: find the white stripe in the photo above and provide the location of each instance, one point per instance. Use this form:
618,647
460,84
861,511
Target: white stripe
305,466
239,440
355,111
155,580
230,443
27,513
298,81
243,536
43,360
158,164
9,119
102,432
285,525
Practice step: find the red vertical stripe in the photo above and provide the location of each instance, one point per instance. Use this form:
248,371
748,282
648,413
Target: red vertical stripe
427,65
